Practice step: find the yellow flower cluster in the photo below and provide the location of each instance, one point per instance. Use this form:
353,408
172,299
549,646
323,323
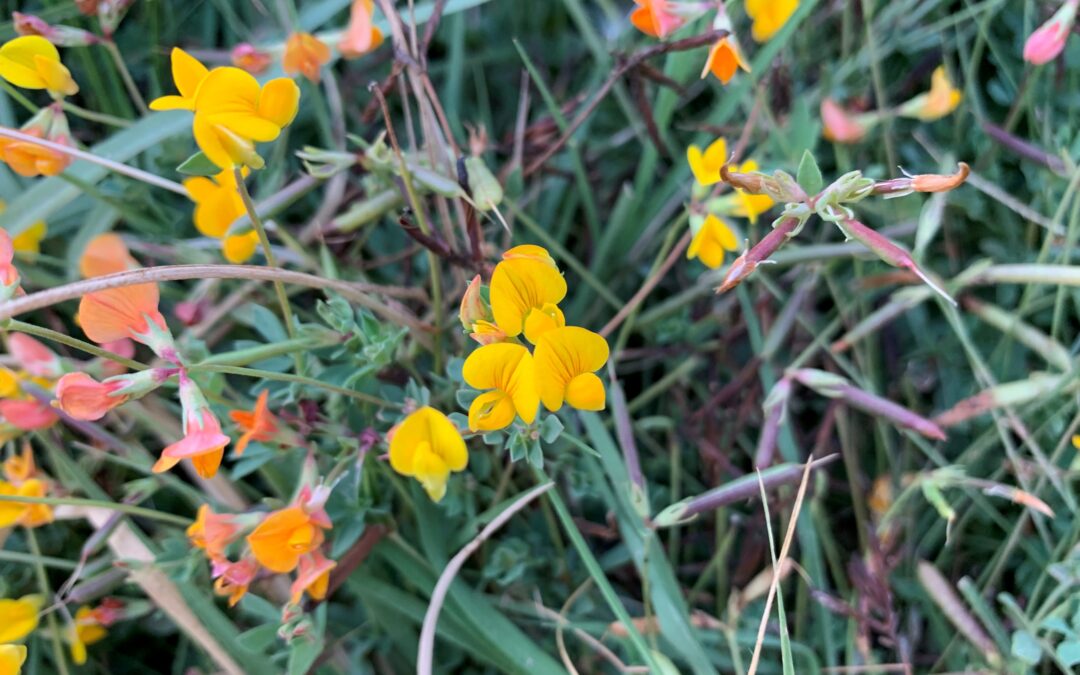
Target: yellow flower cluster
232,111
713,236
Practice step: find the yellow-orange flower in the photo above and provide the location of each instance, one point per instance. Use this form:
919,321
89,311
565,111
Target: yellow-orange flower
566,361
706,165
232,113
12,658
232,579
212,532
747,205
305,54
30,159
712,239
655,18
203,442
188,73
87,629
21,467
427,446
725,58
506,369
217,205
942,99
258,424
361,36
286,535
526,288
25,514
769,16
313,577
32,62
19,618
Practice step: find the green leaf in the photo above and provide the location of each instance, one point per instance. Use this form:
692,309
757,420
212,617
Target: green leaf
1025,647
1069,653
258,639
198,165
809,176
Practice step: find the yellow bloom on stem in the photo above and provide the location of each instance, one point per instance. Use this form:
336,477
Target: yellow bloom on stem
19,618
506,369
706,165
20,513
217,205
941,100
12,658
232,113
427,446
87,630
32,62
769,16
286,535
725,58
305,54
711,241
566,361
188,73
526,288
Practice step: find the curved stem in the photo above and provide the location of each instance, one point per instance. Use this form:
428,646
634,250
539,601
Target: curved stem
355,292
74,343
117,167
125,75
102,118
298,379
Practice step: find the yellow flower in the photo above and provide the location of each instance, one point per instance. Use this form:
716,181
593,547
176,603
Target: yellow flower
711,240
87,631
566,361
942,98
20,468
427,446
26,514
32,62
187,74
232,113
706,165
29,240
725,58
507,370
217,206
769,16
526,288
12,658
19,618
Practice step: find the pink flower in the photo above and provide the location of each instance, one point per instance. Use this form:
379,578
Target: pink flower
247,57
1048,41
27,414
34,357
84,398
313,577
840,126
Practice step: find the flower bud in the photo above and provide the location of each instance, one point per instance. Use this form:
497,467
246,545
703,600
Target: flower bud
1048,41
61,36
84,398
473,307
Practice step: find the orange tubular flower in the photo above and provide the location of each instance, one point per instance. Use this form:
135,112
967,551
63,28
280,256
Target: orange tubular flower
288,534
203,443
305,54
655,18
213,533
361,36
313,577
725,58
258,424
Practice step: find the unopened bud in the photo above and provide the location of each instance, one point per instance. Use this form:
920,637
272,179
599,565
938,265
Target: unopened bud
750,182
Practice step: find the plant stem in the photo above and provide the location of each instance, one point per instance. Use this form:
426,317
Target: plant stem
50,618
100,504
74,343
18,97
103,118
271,261
287,377
125,75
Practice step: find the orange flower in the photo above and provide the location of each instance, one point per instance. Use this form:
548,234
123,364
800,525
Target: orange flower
840,126
305,54
725,58
126,312
34,357
27,414
232,579
30,159
20,468
84,398
361,36
203,443
313,577
105,254
655,18
259,424
288,534
213,532
249,58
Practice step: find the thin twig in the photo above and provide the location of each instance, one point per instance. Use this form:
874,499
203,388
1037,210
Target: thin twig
425,653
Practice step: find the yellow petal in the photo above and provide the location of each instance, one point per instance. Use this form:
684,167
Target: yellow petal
17,62
585,392
532,252
170,102
427,425
431,470
540,321
519,285
29,240
187,74
12,658
228,90
563,354
491,411
19,618
696,159
716,156
56,76
241,247
279,101
248,125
